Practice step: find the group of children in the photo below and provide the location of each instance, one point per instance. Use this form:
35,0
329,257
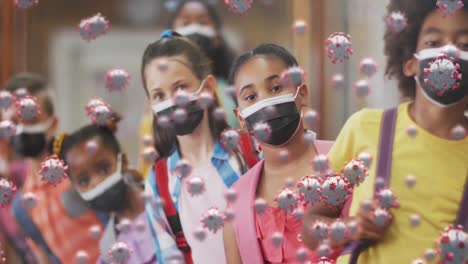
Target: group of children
206,202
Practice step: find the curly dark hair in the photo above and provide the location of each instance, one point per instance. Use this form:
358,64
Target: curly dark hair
400,47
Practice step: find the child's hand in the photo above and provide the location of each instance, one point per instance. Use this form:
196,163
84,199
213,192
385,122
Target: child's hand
366,226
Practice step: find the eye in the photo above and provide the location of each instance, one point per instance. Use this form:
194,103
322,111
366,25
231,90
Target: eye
463,45
158,96
104,169
432,43
181,87
250,97
276,88
83,181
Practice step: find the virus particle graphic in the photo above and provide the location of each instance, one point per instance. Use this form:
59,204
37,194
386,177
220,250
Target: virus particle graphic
301,254
387,199
199,234
309,137
366,205
164,121
195,186
335,189
119,252
21,93
179,116
262,131
212,219
91,147
449,7
149,155
53,170
7,130
230,195
366,158
362,88
171,5
355,172
379,183
299,27
276,239
6,100
182,98
287,200
310,189
442,75
450,51
381,217
293,77
352,228
289,182
319,231
183,168
260,206
338,81
140,226
92,103
101,115
147,140
81,257
2,256
410,181
311,118
27,108
396,22
219,113
93,27
415,220
418,261
339,47
229,215
321,164
298,214
451,246
338,231
324,260
283,155
29,200
412,131
323,250
229,139
7,189
25,4
117,79
458,132
205,100
368,67
430,254
124,225
238,7
95,231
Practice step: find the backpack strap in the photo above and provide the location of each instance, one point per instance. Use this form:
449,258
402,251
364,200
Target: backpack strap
247,149
384,165
162,184
462,216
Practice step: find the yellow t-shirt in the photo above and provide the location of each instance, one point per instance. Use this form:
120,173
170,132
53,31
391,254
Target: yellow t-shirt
440,167
146,128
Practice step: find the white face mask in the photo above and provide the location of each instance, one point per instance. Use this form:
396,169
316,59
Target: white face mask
34,129
106,184
164,105
207,31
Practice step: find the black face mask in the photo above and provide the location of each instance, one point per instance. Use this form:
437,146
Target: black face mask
112,200
29,145
448,96
192,120
283,121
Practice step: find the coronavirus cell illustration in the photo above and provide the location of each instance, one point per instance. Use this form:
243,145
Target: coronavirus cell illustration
199,234
396,22
119,253
338,231
355,172
362,88
321,163
7,189
213,219
183,168
230,139
239,7
339,47
230,195
93,102
27,108
93,27
7,130
195,186
29,200
381,217
299,27
179,116
182,98
287,200
366,158
53,170
310,189
458,132
319,231
260,206
262,131
293,77
386,199
117,79
95,231
149,155
335,189
25,4
368,67
452,246
449,7
6,100
82,257
442,75
276,239
205,100
311,118
101,115
338,81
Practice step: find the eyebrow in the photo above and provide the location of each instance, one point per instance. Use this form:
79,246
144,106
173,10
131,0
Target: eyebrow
248,86
432,30
172,85
462,32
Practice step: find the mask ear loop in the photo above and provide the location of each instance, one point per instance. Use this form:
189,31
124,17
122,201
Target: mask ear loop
197,92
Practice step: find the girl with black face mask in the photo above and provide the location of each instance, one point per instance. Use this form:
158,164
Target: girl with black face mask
177,79
263,98
104,181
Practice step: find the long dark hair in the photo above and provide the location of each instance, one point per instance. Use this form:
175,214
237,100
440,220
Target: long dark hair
221,56
165,140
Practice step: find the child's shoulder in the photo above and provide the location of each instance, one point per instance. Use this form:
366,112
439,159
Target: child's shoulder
365,117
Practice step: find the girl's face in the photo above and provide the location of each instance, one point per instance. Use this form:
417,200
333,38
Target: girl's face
88,170
193,13
259,79
176,75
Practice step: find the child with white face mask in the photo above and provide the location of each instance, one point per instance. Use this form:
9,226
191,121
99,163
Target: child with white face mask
264,99
421,147
105,182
